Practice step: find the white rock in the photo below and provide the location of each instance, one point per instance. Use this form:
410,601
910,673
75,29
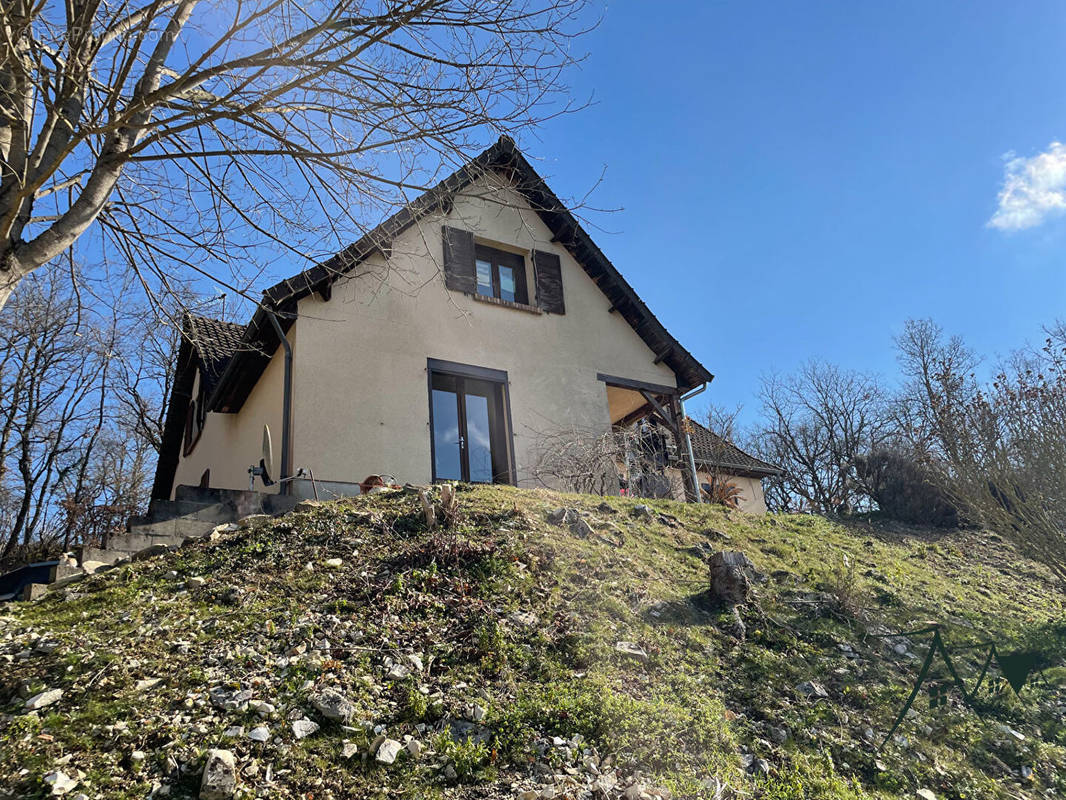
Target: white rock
331,704
925,794
812,689
334,562
348,750
219,781
415,661
605,783
137,756
259,734
43,699
631,649
303,727
60,782
195,582
147,683
476,712
414,747
261,707
387,751
1007,729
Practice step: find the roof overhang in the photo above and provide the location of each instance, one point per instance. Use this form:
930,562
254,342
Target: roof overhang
503,159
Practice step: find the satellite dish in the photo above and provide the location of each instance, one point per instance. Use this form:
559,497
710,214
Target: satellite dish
266,463
268,450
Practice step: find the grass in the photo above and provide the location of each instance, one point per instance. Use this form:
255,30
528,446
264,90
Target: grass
521,618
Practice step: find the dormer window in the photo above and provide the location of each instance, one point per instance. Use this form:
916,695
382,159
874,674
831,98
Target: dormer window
500,274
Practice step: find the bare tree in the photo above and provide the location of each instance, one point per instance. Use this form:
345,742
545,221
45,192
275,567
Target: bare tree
79,394
817,423
722,421
48,379
999,450
145,363
939,381
185,134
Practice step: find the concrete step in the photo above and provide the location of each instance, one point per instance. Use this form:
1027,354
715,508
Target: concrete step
60,571
130,543
179,527
98,555
163,510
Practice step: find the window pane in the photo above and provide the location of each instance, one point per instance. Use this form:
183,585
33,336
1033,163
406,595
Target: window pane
446,436
507,284
478,443
484,277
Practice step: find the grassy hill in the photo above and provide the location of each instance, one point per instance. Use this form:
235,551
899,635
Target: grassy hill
511,657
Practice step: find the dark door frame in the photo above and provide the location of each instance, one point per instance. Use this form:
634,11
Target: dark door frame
458,370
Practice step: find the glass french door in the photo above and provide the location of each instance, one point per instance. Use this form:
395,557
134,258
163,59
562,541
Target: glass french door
469,429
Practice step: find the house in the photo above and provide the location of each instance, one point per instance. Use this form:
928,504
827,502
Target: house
445,344
720,460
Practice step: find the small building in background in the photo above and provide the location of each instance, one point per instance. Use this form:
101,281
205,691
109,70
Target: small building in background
727,471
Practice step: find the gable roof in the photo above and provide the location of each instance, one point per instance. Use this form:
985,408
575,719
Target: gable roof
211,343
215,341
712,450
260,340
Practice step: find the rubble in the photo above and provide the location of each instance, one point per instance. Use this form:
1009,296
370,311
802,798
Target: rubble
43,699
59,783
303,727
391,652
333,705
219,781
387,751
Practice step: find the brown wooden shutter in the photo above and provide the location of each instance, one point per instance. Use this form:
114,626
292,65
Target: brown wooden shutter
459,259
549,282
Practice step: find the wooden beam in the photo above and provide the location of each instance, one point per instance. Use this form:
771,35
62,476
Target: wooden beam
633,416
326,292
629,383
662,412
665,354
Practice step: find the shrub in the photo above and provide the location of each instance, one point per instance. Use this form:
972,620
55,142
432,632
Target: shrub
904,491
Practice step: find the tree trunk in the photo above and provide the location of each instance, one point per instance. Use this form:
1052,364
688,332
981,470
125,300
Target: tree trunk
11,273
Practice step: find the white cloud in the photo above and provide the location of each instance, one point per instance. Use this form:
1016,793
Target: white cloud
1034,189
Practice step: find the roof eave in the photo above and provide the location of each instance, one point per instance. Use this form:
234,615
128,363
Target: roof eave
565,229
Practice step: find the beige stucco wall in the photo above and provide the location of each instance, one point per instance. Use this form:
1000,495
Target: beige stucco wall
230,443
751,499
361,403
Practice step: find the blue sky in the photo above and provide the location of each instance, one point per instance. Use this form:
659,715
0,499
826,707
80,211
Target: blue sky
798,179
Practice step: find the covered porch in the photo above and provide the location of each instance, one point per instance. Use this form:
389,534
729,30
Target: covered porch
630,401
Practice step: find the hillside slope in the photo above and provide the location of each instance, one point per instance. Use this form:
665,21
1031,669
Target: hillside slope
512,657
